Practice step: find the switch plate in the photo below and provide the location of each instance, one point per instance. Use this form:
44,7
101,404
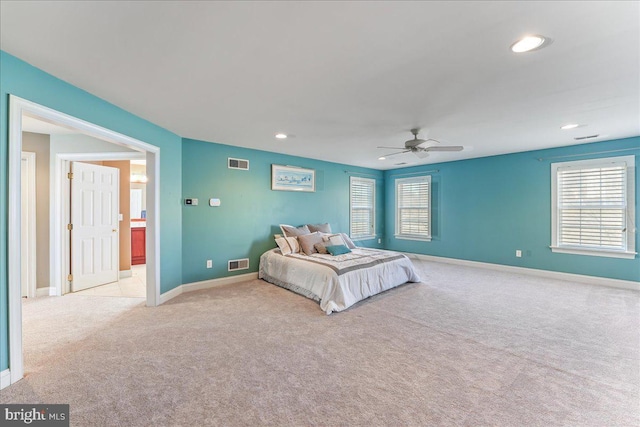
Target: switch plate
214,202
209,263
191,202
518,253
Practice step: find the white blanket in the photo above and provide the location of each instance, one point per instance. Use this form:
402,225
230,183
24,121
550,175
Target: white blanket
337,282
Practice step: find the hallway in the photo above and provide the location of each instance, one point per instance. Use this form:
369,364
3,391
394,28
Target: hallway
130,287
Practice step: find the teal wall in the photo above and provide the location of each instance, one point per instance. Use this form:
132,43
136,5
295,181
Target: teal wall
484,209
249,214
25,81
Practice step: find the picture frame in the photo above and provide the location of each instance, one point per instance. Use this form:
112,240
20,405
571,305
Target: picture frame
291,178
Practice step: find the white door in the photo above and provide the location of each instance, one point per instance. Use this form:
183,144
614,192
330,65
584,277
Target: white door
94,219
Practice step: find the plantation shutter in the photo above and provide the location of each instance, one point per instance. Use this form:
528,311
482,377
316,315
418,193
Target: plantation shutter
413,207
592,204
362,204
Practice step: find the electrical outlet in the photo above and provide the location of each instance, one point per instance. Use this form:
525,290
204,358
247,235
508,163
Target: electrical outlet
518,253
379,241
209,263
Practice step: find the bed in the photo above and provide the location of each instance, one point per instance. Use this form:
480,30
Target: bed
337,282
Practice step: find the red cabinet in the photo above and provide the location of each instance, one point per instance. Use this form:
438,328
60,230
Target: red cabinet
138,245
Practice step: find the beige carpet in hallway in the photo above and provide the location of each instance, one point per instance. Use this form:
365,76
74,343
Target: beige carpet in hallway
467,347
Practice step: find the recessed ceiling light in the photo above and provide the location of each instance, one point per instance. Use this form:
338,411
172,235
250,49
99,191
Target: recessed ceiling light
529,43
281,135
382,158
569,126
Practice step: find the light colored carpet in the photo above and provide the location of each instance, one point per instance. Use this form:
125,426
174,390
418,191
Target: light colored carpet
467,347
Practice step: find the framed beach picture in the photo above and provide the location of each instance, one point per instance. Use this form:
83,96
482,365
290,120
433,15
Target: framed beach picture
290,178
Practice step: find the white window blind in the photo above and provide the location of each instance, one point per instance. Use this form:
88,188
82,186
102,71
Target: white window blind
593,205
413,208
362,207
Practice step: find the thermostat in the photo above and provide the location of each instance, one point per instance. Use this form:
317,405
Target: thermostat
193,202
214,202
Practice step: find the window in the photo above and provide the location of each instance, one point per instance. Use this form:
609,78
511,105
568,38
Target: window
413,208
593,207
362,204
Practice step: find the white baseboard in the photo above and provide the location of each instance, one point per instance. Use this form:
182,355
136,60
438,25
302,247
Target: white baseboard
45,292
206,284
5,379
125,273
581,278
170,294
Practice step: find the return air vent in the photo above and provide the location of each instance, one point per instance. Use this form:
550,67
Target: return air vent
238,164
239,264
580,138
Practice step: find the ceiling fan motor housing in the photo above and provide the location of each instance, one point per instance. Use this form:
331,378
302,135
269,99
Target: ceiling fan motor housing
412,143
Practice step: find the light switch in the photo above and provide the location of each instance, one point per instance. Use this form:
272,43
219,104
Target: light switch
214,202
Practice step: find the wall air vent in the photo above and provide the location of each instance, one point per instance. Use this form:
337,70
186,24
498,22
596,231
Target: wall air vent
238,264
400,164
580,138
238,164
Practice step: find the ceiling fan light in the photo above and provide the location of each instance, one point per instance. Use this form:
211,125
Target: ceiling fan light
382,158
281,135
569,126
529,43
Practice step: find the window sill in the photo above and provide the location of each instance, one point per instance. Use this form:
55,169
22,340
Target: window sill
417,238
594,252
359,238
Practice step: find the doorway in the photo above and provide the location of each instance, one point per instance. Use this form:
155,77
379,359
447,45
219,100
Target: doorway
18,108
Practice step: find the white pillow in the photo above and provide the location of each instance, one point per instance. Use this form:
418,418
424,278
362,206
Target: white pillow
334,239
293,244
288,245
283,245
290,230
337,240
348,241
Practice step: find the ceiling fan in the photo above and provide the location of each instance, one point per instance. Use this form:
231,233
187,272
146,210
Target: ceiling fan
421,147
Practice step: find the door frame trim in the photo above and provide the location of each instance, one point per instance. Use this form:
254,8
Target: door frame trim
17,107
30,158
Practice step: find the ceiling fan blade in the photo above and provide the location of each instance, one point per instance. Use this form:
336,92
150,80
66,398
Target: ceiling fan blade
421,153
398,152
431,140
445,148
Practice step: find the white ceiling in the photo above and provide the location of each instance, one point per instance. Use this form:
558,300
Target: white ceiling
345,77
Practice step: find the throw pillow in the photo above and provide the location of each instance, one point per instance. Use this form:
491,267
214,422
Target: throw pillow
307,242
322,247
323,228
283,245
338,249
293,244
348,241
290,231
